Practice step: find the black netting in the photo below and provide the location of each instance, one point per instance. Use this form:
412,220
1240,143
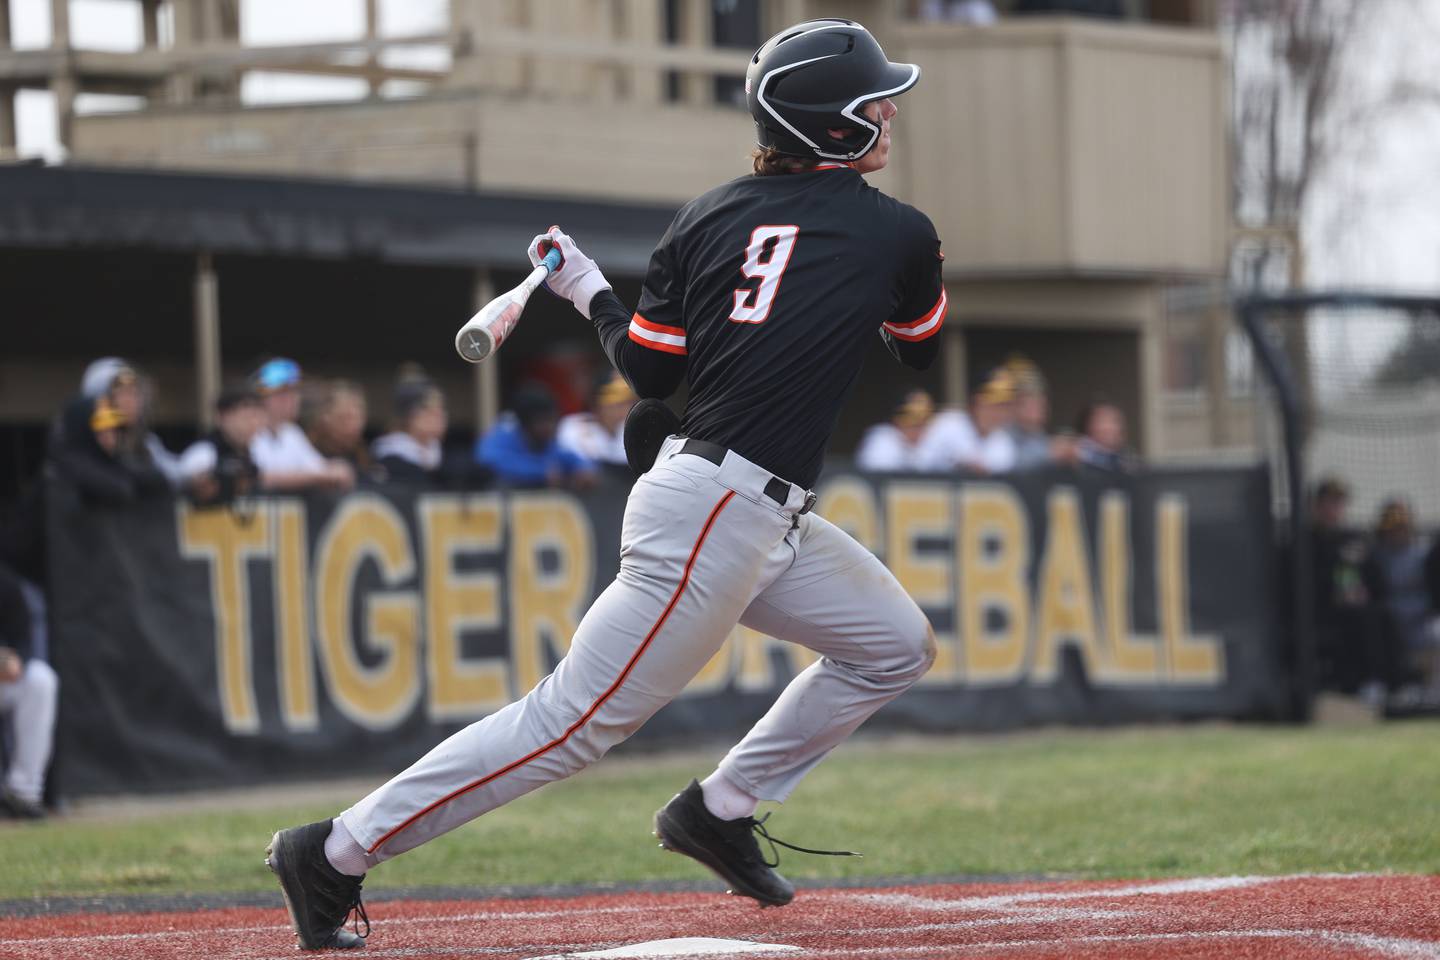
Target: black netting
1368,381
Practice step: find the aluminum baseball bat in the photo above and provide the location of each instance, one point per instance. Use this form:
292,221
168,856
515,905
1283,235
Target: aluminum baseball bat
484,332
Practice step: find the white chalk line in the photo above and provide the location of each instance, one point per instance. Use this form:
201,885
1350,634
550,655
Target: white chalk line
397,921
1010,901
1398,947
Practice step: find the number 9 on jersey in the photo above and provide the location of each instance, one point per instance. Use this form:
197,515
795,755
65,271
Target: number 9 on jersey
766,257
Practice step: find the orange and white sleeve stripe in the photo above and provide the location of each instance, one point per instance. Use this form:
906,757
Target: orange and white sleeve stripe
926,326
657,336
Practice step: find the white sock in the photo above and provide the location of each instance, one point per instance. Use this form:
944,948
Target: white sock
345,853
725,800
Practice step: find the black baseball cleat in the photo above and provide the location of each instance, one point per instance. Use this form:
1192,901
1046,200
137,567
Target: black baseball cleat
14,805
728,847
319,897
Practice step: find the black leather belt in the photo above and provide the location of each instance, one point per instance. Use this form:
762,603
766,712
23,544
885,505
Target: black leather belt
776,489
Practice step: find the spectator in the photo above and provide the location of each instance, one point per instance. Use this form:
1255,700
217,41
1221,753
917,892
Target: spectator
87,451
1101,426
29,690
337,430
1432,576
1034,446
599,435
895,444
285,456
1399,577
414,452
978,441
1344,625
522,449
217,468
1432,584
977,13
118,381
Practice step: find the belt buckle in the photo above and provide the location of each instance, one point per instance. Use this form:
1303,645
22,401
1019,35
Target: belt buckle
810,499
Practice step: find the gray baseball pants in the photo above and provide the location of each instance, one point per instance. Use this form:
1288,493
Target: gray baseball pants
702,548
30,702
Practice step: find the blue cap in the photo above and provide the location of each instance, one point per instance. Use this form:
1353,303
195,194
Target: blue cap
277,374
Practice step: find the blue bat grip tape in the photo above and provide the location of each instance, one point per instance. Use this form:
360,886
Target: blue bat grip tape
552,259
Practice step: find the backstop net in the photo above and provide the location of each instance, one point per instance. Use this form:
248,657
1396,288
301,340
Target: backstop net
1366,377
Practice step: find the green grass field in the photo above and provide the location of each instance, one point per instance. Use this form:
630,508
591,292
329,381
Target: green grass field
1125,803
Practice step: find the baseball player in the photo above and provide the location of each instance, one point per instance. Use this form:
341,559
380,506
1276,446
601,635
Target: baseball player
764,294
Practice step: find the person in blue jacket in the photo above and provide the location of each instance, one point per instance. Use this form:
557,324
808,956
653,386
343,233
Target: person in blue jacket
522,450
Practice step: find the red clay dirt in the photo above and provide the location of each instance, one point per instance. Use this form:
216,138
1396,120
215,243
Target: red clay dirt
1308,917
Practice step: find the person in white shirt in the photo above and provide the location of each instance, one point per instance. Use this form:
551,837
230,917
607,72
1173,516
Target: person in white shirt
599,434
978,440
285,456
895,445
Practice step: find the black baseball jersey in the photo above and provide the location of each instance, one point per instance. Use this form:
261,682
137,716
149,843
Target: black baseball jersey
765,293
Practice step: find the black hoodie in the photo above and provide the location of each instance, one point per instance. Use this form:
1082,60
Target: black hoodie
100,477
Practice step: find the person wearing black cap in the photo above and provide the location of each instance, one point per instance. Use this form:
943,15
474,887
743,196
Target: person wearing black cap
218,468
522,448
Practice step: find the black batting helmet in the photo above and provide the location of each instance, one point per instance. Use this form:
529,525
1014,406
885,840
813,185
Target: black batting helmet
815,76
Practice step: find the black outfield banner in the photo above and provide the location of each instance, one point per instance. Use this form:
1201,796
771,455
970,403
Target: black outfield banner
309,636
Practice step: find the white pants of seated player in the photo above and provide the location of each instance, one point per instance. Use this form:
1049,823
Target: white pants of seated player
29,705
702,547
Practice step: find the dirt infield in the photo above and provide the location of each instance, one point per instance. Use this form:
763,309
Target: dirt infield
1326,916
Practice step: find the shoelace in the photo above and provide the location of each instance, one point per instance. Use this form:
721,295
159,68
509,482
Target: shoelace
357,915
759,827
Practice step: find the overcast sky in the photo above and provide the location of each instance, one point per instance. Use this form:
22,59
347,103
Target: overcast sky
1376,222
112,25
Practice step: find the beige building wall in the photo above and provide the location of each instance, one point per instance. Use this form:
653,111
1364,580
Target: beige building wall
1059,146
1074,168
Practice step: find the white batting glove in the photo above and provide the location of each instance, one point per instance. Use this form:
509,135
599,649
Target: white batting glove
578,278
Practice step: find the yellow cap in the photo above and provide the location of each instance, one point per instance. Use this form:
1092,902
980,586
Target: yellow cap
1028,378
105,416
915,410
615,390
999,387
1395,515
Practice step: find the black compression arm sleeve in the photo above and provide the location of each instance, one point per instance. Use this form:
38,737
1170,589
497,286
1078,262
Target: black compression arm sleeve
918,354
652,373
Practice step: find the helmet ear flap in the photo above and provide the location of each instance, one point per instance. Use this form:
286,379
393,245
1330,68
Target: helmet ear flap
857,140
